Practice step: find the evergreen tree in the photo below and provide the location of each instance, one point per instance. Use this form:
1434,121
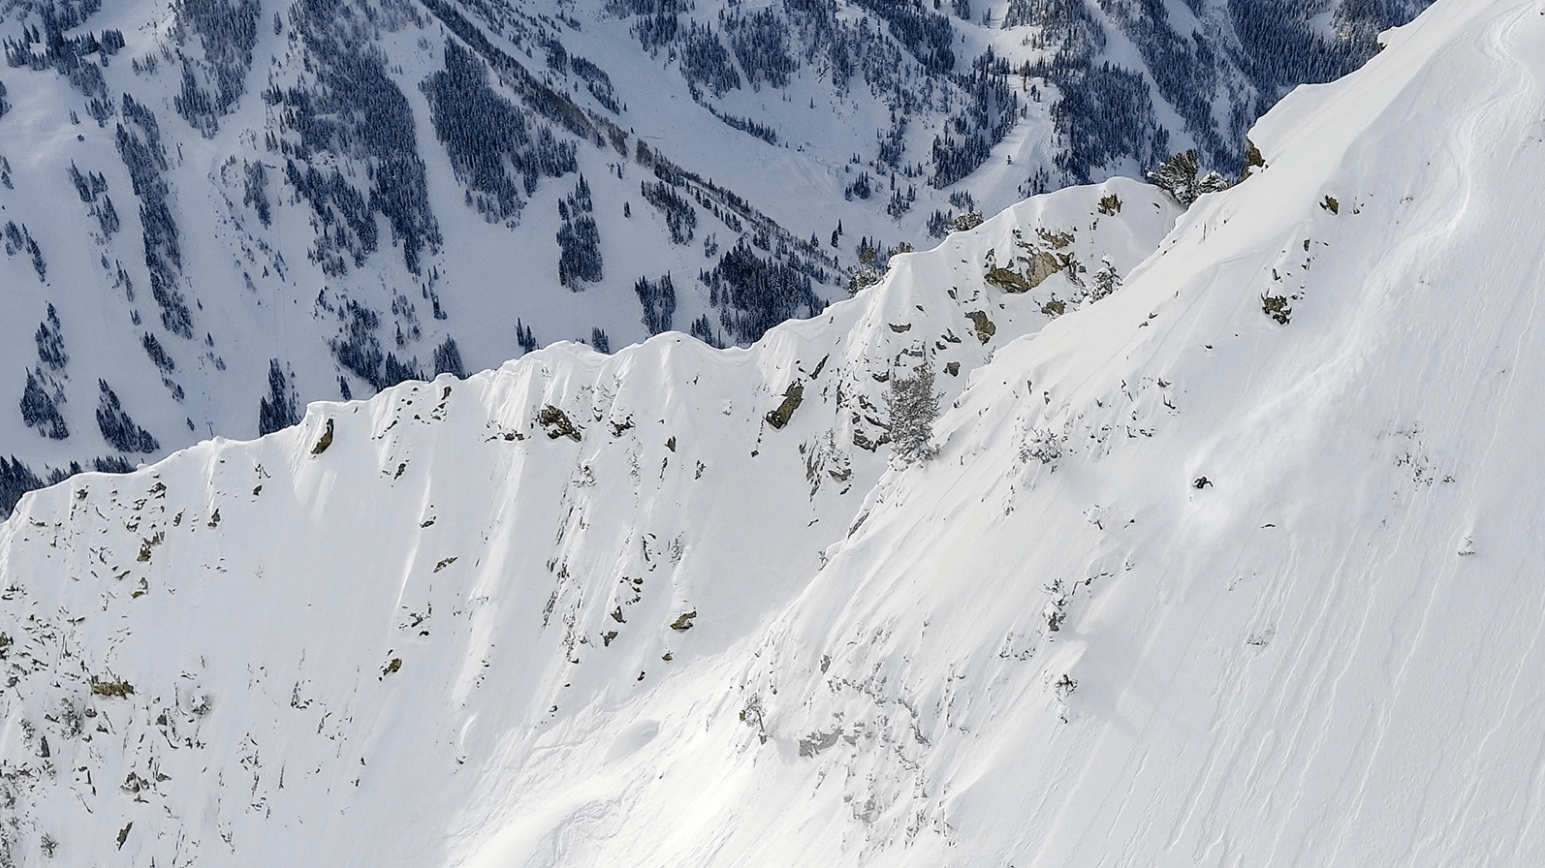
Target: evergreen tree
117,428
50,342
1106,281
278,409
913,405
39,411
448,359
599,341
524,337
16,479
1178,177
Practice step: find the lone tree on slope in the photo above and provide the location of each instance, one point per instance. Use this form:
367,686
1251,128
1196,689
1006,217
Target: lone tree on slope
1177,177
913,405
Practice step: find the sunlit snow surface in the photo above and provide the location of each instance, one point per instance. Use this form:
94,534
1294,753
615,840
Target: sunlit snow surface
442,638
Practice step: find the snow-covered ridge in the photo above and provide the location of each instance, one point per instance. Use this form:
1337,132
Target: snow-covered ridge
1235,566
524,547
217,211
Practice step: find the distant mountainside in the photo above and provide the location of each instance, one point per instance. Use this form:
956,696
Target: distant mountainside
1103,533
216,211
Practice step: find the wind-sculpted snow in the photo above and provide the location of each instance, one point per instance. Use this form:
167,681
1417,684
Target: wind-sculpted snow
329,643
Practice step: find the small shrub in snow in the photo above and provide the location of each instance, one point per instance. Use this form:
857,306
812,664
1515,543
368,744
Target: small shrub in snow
967,221
862,279
1041,445
1105,281
1276,307
753,716
201,705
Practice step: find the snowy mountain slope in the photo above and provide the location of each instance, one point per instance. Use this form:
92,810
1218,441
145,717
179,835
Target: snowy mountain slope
559,534
315,200
1325,653
1232,567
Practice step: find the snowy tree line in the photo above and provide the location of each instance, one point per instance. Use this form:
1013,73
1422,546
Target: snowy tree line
227,32
358,350
118,429
544,100
991,111
658,298
491,142
579,241
680,216
754,294
20,240
1105,114
139,146
354,112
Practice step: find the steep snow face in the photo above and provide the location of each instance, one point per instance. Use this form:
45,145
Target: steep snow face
1237,568
1231,567
521,550
217,211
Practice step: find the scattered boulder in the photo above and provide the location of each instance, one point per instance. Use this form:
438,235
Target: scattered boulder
325,440
1253,159
984,326
1057,240
1276,307
1007,280
557,424
792,396
119,689
1044,265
